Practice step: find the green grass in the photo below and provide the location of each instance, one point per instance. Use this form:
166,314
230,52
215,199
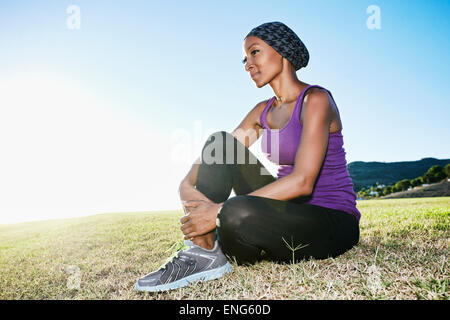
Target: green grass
403,254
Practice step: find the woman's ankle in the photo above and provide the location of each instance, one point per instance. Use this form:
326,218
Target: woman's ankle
206,241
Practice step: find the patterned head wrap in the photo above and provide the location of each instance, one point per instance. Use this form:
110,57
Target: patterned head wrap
284,41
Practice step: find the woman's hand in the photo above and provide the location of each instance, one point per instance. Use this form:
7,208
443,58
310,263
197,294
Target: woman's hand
200,219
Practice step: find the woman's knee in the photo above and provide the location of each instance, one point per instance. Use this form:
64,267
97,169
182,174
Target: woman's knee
218,137
219,148
220,134
232,225
233,214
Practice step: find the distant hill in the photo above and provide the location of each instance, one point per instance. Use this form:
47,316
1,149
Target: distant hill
440,189
366,174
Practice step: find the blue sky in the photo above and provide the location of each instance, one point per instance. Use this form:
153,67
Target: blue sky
92,117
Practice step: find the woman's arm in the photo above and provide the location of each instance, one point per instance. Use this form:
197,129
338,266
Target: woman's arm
317,116
187,190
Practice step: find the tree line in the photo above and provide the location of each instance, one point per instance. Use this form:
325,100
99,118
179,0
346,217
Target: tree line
434,174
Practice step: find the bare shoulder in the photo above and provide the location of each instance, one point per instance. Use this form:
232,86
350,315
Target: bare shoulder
259,107
258,110
252,118
318,98
248,131
318,95
318,101
254,115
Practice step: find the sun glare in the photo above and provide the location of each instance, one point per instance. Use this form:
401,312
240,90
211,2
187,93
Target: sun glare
67,153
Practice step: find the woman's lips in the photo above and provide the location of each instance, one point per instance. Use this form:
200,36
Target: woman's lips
254,75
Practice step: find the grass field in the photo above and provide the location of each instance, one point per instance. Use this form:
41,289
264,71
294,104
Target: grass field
402,254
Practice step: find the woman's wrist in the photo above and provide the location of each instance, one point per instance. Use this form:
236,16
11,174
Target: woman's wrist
188,192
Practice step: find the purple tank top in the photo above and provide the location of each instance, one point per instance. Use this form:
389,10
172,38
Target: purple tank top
334,186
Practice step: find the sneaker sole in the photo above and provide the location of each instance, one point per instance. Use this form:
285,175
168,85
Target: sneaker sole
201,276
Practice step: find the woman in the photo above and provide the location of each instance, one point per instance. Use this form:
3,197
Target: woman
308,210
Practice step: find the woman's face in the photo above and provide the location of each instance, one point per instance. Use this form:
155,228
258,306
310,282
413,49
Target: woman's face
261,60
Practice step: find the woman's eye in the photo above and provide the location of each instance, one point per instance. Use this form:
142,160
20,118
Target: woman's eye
245,59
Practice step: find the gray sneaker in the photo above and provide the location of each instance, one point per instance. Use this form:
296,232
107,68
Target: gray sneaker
187,266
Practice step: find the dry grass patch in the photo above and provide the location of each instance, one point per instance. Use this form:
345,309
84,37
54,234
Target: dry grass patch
403,254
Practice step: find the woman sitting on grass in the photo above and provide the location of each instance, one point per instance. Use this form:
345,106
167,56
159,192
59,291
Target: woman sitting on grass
308,210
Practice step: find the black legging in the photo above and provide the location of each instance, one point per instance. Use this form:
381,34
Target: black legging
253,228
